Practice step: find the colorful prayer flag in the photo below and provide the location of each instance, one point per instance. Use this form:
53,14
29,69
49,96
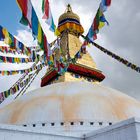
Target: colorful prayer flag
48,16
99,20
13,43
106,2
32,19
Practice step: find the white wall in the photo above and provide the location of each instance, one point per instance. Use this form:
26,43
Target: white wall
125,130
9,132
75,129
138,129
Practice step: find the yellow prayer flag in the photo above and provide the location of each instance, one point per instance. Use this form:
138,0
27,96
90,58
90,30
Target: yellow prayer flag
51,58
5,32
7,39
89,45
39,36
101,25
57,33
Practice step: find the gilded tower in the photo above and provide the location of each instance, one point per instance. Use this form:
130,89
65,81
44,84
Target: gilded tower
84,69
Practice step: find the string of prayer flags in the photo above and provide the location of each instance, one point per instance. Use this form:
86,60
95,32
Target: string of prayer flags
30,18
98,23
61,66
21,84
14,72
118,58
60,62
56,60
37,31
99,20
5,49
13,43
113,55
5,59
48,16
15,88
55,44
28,84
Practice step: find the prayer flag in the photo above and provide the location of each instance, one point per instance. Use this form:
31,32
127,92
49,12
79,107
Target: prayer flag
99,20
1,34
106,2
45,8
14,44
30,15
48,16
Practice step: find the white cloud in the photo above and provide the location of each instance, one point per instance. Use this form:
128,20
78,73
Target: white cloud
26,37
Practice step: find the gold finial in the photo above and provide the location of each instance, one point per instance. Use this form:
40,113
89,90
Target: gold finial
69,9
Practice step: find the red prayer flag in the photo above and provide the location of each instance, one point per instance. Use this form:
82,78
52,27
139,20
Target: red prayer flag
46,9
108,2
23,5
45,47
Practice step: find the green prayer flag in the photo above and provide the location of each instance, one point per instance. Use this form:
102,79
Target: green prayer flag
43,5
24,21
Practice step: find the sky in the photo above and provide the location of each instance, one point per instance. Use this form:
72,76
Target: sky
121,37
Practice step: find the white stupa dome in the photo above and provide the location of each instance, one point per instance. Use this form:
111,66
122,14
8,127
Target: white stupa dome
70,101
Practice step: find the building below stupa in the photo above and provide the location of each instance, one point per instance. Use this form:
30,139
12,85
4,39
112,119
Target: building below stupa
72,106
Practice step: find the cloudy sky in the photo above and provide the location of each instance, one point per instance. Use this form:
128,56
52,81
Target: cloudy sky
121,37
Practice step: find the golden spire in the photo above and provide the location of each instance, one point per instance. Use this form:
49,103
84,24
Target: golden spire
70,30
70,21
69,9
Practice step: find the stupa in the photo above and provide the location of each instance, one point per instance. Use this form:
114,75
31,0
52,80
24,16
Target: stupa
74,103
70,28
